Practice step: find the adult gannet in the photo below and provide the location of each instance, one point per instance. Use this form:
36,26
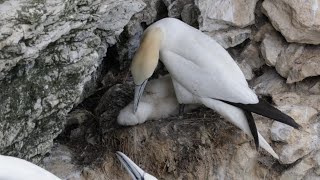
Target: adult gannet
202,72
12,168
134,170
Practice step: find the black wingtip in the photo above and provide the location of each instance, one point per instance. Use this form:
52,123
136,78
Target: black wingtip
253,128
265,109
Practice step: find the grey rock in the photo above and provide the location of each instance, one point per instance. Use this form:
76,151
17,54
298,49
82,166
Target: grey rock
298,101
175,7
297,62
305,169
230,38
220,14
271,47
297,20
269,83
226,21
249,60
189,14
49,54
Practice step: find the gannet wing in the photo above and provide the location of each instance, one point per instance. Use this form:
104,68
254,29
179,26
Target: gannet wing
210,79
12,168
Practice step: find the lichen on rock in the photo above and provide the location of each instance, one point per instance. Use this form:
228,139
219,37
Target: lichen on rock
50,52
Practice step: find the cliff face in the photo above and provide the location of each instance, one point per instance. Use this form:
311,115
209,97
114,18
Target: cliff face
50,52
52,57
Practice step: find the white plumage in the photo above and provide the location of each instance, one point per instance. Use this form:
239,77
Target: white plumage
12,168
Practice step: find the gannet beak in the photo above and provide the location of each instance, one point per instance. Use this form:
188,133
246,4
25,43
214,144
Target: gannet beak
134,170
138,91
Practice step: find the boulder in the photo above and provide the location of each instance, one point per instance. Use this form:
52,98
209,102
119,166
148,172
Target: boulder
226,20
298,21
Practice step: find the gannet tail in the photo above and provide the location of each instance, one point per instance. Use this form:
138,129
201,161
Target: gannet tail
237,117
265,109
253,128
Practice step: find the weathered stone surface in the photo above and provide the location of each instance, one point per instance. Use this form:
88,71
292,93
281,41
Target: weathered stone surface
249,60
300,103
297,62
224,20
220,14
298,21
49,55
305,169
300,144
271,47
230,38
292,61
186,9
302,114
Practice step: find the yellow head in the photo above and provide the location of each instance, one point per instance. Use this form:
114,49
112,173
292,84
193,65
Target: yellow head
145,61
147,56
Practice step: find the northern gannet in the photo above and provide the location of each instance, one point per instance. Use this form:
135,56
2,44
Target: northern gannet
134,170
202,72
12,168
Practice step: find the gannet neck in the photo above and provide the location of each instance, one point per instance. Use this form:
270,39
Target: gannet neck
147,56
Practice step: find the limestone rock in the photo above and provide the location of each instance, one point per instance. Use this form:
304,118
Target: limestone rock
269,83
50,52
251,55
189,15
297,62
304,169
246,70
220,14
263,31
230,38
271,47
302,114
224,20
175,7
301,104
300,144
249,60
298,21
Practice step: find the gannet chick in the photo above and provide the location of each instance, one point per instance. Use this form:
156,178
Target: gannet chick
202,72
134,170
12,168
159,101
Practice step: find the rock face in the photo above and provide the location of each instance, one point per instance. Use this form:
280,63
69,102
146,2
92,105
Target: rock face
300,103
49,54
51,59
292,61
225,20
298,21
297,62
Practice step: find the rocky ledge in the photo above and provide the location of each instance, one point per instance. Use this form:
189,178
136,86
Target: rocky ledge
64,79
